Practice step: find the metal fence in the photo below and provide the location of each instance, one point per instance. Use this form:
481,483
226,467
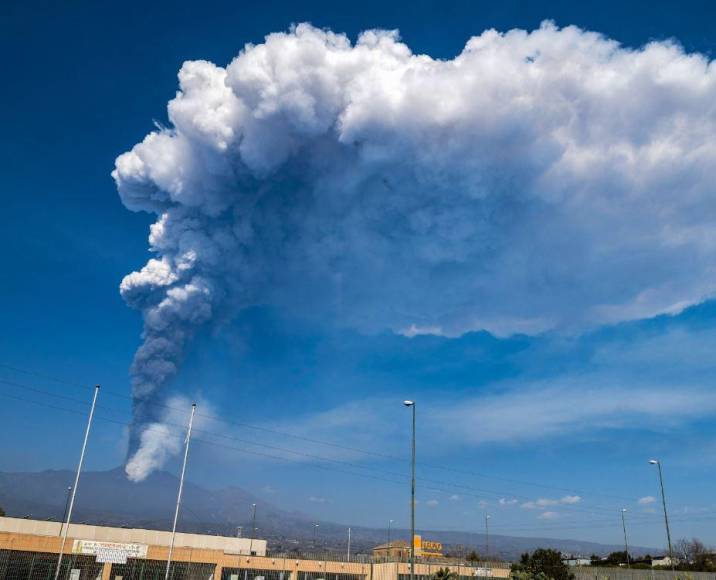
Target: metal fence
598,573
25,565
324,556
330,556
141,569
15,565
254,574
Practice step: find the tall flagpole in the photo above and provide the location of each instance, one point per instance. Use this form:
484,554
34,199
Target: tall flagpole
349,545
77,480
181,488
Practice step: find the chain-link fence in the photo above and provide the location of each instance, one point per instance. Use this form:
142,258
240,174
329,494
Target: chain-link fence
141,569
598,573
16,565
321,556
329,576
254,574
467,573
25,565
361,558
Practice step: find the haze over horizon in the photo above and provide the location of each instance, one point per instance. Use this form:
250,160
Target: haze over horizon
503,213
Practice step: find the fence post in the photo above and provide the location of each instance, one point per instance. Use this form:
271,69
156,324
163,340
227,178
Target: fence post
106,571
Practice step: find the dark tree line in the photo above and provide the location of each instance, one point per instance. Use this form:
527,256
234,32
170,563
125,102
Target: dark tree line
690,555
542,564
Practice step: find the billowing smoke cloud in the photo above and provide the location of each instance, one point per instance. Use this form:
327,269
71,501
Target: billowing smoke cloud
163,437
543,180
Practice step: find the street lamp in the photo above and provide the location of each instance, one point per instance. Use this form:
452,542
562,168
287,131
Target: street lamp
626,544
663,503
67,505
487,535
390,524
315,532
253,529
411,404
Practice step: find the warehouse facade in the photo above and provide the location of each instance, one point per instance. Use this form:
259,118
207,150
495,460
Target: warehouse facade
29,551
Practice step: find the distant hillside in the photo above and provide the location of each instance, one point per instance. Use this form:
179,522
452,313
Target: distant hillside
107,497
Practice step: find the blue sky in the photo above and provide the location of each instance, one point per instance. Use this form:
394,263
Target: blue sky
565,412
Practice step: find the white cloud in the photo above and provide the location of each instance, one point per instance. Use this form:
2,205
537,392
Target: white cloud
548,515
505,501
646,500
543,503
515,413
538,180
455,497
570,404
432,503
315,499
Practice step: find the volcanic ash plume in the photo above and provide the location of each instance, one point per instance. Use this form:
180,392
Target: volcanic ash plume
543,180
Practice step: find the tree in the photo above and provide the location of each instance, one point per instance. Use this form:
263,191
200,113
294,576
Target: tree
473,556
615,559
2,512
542,564
444,574
695,556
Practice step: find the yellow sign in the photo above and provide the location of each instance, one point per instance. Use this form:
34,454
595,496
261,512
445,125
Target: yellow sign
426,547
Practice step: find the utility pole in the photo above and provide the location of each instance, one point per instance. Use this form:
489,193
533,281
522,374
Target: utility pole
315,534
253,528
666,516
390,524
626,544
181,489
77,480
67,505
411,404
487,535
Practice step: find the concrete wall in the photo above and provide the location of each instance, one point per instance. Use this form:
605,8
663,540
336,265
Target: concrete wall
133,536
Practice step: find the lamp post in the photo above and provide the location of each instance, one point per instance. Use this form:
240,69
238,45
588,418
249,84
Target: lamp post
487,535
390,525
253,529
67,505
411,404
666,516
626,543
315,532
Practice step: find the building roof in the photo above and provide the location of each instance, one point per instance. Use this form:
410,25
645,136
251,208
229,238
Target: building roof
394,544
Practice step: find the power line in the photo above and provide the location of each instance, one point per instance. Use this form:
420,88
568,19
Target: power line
333,444
464,489
433,485
587,523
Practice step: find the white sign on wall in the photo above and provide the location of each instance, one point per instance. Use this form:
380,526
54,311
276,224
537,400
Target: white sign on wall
114,552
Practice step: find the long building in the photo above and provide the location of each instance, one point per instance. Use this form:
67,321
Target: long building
29,550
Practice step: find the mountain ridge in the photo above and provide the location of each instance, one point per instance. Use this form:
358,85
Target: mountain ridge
109,498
